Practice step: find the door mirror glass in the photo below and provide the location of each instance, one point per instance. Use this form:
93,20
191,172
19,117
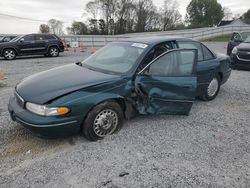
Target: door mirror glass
21,40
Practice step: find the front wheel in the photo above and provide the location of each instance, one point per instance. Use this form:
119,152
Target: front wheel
53,52
212,89
9,54
103,120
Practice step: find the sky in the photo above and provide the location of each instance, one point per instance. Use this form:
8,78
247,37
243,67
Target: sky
68,11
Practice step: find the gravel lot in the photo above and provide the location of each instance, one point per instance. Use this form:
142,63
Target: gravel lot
208,148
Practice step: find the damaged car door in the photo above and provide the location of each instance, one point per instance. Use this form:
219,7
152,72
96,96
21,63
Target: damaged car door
168,84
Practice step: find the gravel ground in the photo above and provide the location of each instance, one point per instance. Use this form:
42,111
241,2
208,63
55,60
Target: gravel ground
208,148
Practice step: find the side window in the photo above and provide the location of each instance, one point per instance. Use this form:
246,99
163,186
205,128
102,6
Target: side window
6,39
237,36
177,63
39,37
192,45
207,53
49,37
28,38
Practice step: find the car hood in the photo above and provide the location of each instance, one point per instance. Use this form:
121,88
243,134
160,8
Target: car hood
244,46
45,86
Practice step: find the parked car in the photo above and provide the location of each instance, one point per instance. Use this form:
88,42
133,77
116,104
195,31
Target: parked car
156,75
240,55
236,39
7,38
32,44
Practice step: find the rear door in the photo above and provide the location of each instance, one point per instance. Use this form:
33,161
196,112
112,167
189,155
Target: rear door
40,42
168,84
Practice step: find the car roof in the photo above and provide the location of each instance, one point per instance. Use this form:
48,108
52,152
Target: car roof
152,40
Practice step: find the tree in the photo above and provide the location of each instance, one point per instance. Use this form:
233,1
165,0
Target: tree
228,15
170,15
44,28
102,26
246,17
93,24
78,28
93,8
144,12
56,26
204,13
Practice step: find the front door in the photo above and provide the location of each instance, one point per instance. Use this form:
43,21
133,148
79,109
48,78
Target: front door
168,84
26,44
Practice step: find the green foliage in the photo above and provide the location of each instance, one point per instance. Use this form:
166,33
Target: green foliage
44,28
221,38
78,28
204,13
246,17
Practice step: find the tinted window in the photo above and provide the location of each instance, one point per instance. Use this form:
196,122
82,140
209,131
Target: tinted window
28,38
192,45
6,39
236,36
39,37
206,53
178,63
49,37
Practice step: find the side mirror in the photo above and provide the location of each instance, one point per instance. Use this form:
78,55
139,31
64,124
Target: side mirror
21,40
145,73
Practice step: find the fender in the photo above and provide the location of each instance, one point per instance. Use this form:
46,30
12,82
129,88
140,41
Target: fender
9,47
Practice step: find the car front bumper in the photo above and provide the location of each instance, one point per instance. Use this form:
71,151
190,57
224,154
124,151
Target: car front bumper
49,127
237,63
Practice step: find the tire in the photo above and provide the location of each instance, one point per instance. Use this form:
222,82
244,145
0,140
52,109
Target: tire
109,114
9,54
53,52
212,90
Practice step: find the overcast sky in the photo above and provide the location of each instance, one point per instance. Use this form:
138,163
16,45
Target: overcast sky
69,10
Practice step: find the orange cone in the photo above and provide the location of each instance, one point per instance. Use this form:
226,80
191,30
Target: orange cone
92,50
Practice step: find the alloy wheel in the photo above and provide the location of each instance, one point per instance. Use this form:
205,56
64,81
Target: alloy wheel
9,54
54,52
105,123
213,87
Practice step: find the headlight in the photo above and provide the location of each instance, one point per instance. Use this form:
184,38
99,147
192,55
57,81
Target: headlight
46,111
235,50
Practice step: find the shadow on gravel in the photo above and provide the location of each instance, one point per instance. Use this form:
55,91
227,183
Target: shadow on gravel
19,143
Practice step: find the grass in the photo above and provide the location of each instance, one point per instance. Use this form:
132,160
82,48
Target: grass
221,38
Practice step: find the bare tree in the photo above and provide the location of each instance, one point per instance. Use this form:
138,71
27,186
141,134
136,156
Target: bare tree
228,15
56,26
93,8
170,14
144,13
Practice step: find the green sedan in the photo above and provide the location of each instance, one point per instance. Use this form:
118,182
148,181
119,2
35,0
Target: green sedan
155,75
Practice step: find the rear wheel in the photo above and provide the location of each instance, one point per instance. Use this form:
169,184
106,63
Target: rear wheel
53,52
212,90
9,54
103,120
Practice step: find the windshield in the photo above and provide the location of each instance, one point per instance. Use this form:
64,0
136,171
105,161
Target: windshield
246,37
116,57
16,39
1,38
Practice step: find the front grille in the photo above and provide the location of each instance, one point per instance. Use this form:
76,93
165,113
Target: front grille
19,100
244,56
